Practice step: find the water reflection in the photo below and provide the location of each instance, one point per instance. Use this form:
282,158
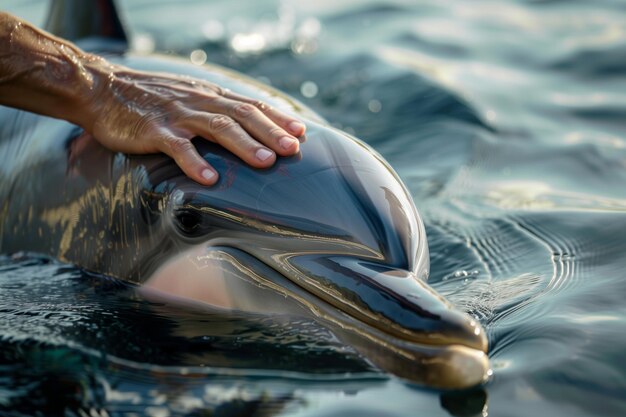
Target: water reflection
466,404
63,350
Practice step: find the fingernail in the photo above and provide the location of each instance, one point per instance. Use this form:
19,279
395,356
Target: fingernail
296,128
263,154
287,142
207,174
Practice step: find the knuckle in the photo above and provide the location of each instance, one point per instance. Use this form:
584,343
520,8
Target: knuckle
175,107
217,89
179,146
221,123
263,107
277,133
244,110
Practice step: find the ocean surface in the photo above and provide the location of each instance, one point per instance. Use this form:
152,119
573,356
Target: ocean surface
507,122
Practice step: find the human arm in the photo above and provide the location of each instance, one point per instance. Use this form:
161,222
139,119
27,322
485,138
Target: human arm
133,111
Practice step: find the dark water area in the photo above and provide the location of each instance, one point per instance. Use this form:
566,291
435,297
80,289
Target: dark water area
507,122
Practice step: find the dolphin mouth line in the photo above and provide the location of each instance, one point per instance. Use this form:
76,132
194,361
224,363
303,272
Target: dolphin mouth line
452,366
331,312
382,324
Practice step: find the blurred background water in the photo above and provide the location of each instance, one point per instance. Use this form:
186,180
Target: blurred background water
506,120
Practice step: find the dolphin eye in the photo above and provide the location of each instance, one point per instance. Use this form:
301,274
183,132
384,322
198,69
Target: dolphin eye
189,222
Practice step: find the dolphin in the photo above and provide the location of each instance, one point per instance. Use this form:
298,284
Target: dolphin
330,234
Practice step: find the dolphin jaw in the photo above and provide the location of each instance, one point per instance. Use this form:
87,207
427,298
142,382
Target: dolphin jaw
442,366
233,279
421,315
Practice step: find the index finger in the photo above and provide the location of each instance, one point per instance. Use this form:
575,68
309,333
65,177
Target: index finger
290,124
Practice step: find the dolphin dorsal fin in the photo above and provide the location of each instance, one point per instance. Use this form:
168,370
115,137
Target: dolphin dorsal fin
94,25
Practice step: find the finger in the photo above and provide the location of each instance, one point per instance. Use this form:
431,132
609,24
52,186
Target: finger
187,158
290,124
229,134
259,126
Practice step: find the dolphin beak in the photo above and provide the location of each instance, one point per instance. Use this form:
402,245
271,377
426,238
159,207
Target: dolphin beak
431,341
392,300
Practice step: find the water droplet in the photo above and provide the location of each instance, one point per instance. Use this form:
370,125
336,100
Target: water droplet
374,106
198,57
308,89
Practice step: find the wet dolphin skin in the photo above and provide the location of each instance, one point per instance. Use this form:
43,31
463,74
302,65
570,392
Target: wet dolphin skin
330,233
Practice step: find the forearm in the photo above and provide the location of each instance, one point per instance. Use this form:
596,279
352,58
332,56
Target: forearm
42,73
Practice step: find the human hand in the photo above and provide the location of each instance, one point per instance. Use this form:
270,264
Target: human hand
137,112
141,112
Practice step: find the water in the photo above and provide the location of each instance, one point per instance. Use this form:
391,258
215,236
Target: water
506,120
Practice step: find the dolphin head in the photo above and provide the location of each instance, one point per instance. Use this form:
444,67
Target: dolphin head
334,232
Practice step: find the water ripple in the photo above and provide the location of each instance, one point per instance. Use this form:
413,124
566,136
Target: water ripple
506,121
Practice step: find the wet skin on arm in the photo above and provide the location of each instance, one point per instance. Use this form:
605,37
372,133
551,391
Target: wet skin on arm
137,112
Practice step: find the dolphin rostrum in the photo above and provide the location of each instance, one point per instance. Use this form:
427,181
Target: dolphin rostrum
331,233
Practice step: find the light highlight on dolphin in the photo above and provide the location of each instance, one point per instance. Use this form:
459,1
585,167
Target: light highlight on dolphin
330,234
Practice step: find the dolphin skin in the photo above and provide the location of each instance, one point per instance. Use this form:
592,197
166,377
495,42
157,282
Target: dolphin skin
331,233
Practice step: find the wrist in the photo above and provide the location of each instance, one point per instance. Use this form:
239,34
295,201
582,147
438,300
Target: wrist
93,75
47,75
